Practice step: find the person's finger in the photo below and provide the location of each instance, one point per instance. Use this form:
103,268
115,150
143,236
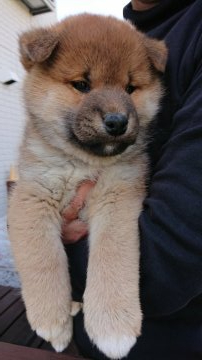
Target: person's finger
73,231
71,212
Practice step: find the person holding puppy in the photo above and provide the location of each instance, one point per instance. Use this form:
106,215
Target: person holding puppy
170,224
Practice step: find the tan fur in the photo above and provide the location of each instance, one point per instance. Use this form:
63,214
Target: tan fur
111,54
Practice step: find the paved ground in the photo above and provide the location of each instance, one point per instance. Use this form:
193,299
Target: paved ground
8,274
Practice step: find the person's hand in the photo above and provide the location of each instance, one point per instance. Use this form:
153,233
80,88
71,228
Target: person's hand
74,229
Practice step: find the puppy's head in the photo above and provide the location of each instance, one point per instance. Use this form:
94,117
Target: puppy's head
92,82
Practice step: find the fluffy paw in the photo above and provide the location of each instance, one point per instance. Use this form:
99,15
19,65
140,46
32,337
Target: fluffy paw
114,333
59,335
117,346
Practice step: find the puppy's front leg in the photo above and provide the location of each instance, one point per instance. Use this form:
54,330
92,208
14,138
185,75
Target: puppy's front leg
111,301
34,224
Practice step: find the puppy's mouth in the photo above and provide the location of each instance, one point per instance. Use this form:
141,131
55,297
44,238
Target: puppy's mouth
102,147
102,135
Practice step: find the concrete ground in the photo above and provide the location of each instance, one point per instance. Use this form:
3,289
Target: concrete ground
8,275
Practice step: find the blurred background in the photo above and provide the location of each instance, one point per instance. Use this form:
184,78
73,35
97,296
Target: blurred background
17,16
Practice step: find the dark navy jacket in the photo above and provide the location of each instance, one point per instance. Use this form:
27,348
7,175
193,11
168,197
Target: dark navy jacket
171,222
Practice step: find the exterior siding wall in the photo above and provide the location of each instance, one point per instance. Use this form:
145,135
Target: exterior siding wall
14,19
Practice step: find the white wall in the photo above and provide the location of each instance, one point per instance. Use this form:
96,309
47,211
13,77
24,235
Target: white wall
14,19
104,7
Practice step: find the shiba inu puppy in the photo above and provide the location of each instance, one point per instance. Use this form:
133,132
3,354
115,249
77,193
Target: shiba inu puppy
91,91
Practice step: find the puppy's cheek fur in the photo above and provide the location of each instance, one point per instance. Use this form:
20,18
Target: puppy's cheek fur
48,100
147,103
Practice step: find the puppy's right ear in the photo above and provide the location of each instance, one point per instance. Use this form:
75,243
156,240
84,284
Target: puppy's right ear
37,46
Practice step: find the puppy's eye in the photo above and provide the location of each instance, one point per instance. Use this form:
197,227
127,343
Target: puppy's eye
130,89
81,86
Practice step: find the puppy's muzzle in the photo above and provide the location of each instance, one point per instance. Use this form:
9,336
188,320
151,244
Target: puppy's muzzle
115,123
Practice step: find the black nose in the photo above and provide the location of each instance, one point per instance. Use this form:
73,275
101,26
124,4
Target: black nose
116,123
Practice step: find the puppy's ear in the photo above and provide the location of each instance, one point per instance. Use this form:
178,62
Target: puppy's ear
37,46
157,53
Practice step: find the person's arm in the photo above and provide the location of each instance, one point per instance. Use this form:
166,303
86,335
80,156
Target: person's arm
171,223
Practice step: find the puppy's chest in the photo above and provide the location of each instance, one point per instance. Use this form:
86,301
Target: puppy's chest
72,177
63,181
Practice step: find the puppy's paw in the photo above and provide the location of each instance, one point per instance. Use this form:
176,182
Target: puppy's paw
58,334
117,346
113,332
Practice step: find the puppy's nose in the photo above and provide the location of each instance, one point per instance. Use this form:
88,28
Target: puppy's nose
115,123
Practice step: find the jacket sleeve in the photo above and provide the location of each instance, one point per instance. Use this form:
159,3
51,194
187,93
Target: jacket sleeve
171,222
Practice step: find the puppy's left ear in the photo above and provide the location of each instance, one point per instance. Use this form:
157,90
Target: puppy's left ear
37,46
157,53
